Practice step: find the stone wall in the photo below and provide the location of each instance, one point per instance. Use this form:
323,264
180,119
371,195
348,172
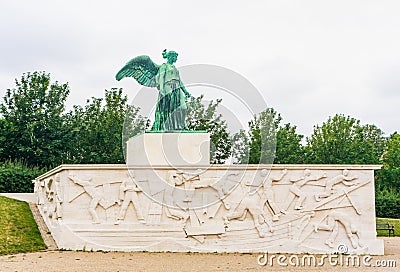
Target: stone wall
220,208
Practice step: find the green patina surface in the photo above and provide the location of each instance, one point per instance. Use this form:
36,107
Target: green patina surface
172,101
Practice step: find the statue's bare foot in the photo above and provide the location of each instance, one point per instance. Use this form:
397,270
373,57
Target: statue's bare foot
271,229
329,243
354,242
315,225
261,233
226,205
226,220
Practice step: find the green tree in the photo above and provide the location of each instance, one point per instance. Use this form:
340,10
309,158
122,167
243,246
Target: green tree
289,149
134,124
32,123
16,176
343,140
262,136
97,128
388,178
391,156
205,117
266,140
3,138
387,203
240,147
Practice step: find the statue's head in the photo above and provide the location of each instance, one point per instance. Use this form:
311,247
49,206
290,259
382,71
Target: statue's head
171,56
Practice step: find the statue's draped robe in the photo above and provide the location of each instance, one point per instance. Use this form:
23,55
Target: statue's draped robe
171,105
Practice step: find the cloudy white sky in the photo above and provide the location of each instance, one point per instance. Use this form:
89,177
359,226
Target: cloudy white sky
309,59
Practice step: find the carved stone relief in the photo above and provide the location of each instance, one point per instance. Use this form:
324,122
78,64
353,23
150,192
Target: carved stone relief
334,220
300,209
98,195
128,193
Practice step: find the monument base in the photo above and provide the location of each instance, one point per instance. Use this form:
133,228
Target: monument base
186,148
224,208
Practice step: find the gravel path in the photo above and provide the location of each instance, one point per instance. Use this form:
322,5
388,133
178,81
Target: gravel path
60,261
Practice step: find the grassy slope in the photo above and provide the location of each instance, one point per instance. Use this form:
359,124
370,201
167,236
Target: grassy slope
18,229
394,222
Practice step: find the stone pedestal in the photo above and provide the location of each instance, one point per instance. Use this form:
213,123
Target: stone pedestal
169,149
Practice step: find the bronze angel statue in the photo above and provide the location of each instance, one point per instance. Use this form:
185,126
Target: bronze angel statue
172,98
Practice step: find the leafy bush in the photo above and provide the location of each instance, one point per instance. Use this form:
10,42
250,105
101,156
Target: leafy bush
387,179
16,177
387,197
387,204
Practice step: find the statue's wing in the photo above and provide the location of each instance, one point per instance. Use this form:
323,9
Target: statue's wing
141,68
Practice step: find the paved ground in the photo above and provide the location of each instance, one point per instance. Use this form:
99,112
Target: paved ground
69,261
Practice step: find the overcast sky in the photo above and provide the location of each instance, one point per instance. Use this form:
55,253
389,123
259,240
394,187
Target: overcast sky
309,59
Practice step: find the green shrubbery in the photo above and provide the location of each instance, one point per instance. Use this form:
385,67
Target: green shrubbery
387,180
387,204
16,177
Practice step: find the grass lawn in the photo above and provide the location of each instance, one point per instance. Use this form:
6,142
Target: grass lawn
394,222
18,229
